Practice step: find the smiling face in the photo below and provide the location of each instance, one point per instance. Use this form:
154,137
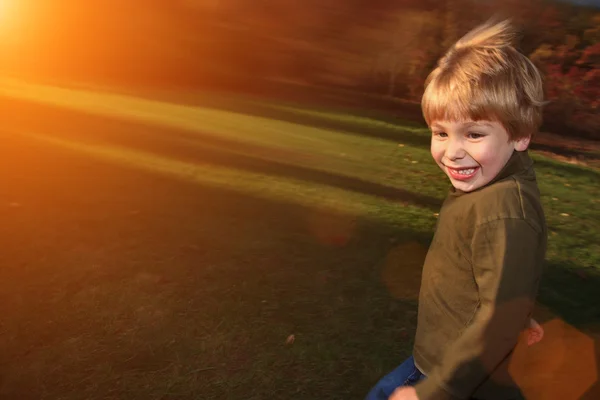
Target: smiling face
472,153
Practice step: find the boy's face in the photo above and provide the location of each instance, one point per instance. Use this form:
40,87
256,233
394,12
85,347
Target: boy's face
472,153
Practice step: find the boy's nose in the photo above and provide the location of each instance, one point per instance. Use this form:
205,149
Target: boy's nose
454,150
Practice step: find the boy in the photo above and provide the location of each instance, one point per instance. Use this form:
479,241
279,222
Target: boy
483,103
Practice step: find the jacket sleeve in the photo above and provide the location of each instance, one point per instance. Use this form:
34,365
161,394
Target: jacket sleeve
506,269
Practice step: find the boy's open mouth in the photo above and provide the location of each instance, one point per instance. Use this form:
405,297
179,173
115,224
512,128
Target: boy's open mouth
462,174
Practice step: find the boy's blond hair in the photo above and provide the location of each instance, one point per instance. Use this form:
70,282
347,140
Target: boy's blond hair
483,77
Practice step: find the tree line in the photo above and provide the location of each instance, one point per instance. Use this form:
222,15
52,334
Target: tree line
379,47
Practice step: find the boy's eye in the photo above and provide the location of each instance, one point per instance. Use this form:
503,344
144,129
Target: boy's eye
475,135
440,134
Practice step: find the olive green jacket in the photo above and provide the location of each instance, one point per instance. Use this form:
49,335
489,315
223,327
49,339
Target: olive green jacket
480,280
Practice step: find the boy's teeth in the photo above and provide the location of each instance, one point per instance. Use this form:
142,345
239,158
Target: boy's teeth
466,171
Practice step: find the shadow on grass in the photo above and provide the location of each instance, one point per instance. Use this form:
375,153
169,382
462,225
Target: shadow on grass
565,151
592,174
196,147
391,128
387,116
375,125
229,93
571,292
198,287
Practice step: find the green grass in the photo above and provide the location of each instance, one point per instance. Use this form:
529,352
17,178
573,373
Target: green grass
156,249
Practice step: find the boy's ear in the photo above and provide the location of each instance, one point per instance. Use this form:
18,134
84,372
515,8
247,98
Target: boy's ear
522,144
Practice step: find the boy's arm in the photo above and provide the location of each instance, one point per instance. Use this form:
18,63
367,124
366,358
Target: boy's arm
504,256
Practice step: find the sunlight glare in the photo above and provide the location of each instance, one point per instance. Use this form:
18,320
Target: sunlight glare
4,8
7,15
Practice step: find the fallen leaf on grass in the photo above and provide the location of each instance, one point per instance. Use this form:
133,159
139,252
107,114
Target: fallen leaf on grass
290,339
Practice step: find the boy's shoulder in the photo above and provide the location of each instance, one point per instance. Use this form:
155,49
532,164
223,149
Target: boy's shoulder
515,197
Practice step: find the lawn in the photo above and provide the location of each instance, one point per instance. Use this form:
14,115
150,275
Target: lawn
219,247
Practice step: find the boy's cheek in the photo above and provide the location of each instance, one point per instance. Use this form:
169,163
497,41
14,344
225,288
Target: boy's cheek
438,161
436,154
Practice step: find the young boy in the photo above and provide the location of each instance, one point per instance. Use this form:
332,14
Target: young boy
483,103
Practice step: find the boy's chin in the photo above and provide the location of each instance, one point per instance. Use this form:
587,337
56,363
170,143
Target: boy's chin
466,186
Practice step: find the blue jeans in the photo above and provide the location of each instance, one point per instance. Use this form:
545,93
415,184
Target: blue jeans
407,374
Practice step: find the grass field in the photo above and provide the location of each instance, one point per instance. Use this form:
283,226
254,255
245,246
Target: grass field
218,247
